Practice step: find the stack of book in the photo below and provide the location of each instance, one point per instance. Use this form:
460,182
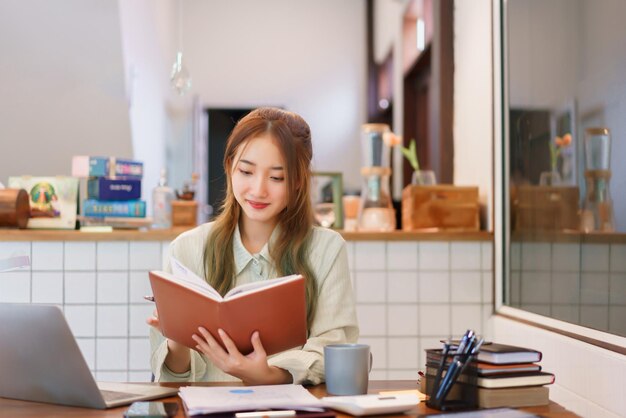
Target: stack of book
113,191
505,376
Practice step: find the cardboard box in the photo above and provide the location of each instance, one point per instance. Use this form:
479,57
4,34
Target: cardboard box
545,208
444,207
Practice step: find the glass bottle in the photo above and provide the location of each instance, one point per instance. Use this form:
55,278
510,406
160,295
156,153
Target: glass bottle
162,197
597,213
376,211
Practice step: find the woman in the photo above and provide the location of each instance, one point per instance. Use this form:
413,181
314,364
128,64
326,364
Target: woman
265,231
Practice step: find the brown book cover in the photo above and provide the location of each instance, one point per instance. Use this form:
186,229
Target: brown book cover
513,397
508,380
276,308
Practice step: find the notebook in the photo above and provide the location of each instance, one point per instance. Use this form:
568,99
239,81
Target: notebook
40,361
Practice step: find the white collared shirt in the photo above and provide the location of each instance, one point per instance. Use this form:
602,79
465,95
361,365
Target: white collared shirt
335,319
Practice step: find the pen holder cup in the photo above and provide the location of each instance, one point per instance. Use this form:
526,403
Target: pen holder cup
461,392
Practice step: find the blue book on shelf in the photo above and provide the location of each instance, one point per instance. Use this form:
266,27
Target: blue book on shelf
127,208
104,188
86,166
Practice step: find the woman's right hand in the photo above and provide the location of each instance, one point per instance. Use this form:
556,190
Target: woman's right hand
153,321
178,358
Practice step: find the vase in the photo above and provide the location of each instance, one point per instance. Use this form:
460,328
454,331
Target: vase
423,178
550,178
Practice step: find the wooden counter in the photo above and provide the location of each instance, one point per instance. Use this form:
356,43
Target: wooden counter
570,237
170,234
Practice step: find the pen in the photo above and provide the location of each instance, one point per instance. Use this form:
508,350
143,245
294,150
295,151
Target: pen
150,298
460,365
444,355
261,414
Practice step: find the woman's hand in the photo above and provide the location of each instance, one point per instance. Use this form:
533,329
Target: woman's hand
153,321
178,357
252,369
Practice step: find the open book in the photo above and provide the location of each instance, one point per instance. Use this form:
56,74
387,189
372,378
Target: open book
276,308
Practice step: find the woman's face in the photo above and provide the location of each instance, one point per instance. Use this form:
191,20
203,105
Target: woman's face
258,180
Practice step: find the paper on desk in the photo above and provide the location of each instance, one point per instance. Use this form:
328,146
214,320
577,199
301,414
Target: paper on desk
209,400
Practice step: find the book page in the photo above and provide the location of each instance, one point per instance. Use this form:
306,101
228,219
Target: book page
208,400
254,286
191,280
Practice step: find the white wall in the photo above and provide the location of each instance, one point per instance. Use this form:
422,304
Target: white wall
308,56
62,85
590,381
473,101
147,38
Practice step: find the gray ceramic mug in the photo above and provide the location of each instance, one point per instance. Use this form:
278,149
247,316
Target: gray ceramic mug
347,368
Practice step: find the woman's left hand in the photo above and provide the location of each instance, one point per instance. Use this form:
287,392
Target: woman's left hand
252,369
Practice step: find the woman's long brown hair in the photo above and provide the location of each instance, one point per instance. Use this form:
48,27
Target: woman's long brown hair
290,250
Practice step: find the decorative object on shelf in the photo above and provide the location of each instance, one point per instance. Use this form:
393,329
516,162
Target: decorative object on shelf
376,212
184,213
419,177
351,212
440,208
553,177
185,208
14,208
180,79
53,200
326,193
162,197
597,212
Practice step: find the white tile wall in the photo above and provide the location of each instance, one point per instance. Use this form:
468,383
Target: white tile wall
584,283
434,255
15,286
112,287
618,257
47,256
402,255
145,255
595,257
80,287
112,255
47,287
370,255
406,293
80,256
445,289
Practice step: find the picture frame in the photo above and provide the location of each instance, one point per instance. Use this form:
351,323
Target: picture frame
53,200
327,198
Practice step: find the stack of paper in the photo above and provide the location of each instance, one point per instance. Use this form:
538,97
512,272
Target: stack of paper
209,400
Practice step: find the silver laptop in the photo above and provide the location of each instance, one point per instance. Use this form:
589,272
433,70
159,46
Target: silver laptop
40,361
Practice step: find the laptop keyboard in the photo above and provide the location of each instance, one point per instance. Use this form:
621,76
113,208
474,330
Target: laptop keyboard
112,396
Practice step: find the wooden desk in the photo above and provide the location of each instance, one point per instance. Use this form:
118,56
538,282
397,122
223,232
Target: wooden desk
18,409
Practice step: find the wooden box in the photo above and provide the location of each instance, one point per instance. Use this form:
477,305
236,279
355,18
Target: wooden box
184,213
545,208
444,207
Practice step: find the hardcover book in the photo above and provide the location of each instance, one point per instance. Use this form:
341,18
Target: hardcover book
276,308
433,358
128,208
509,380
86,166
494,353
104,188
